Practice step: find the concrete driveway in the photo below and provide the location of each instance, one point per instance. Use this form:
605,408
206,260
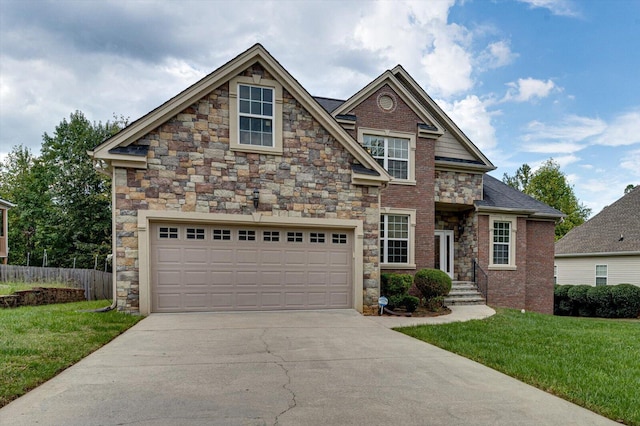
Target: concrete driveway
282,368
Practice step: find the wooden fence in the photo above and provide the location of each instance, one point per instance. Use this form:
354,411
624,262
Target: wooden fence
97,285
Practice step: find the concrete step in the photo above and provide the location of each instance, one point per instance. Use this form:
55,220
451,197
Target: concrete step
464,293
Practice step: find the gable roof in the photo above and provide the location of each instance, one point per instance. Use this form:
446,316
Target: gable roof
615,230
113,149
500,197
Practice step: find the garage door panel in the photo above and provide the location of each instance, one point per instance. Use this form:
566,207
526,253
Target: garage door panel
168,255
298,269
197,301
221,278
196,256
246,256
196,278
221,256
271,300
247,300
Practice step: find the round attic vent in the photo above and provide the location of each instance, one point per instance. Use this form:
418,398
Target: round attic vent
386,102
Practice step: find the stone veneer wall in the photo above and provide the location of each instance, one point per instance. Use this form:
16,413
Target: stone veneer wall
457,187
465,242
192,169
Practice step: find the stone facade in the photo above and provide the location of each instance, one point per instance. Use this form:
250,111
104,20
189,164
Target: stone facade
457,187
191,168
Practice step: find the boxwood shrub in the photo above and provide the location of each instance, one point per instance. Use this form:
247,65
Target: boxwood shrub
396,288
615,301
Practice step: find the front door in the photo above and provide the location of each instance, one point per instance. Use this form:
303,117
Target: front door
444,252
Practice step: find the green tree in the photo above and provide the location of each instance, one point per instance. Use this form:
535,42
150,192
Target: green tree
549,185
32,223
63,203
81,194
629,188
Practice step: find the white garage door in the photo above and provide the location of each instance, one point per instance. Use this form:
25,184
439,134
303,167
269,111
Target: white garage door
198,267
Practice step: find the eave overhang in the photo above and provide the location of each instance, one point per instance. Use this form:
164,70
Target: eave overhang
604,254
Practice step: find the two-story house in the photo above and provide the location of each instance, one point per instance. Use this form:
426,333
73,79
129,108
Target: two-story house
244,192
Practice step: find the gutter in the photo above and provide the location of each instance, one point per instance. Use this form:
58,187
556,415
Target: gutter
603,254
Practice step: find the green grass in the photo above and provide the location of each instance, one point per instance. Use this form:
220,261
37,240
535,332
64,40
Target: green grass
38,342
11,287
591,362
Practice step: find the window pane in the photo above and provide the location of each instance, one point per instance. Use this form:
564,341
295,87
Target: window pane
244,92
601,270
500,254
244,107
397,251
256,93
398,169
256,124
245,137
267,109
245,123
601,281
267,95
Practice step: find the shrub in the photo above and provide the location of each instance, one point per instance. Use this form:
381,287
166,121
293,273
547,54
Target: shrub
432,283
396,287
561,303
579,301
600,303
410,303
615,301
626,300
435,304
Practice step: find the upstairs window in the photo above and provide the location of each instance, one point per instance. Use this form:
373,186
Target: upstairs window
391,153
255,113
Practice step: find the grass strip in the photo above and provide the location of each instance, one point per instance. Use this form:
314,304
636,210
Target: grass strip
38,342
594,363
12,287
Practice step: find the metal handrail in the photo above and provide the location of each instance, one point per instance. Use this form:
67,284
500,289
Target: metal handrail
481,279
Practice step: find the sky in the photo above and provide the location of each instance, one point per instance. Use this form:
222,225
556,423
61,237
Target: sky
526,80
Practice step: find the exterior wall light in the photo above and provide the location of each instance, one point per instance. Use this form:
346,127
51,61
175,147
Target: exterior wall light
256,198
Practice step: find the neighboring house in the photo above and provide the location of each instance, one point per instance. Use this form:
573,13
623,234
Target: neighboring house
4,230
605,250
245,192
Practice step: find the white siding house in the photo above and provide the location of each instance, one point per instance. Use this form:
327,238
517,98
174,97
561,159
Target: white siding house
605,250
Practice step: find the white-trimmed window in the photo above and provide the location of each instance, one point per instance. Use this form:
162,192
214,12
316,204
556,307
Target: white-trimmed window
601,275
255,115
395,151
502,247
397,234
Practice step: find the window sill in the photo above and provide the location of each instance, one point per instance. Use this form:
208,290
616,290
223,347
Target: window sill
403,182
397,266
502,268
256,149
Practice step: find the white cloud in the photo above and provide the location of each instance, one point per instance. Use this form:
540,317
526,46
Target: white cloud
496,55
572,128
556,7
631,162
473,118
554,147
623,130
526,89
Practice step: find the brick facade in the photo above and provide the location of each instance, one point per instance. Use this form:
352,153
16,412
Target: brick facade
530,285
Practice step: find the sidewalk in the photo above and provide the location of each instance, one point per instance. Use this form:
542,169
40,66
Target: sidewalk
458,313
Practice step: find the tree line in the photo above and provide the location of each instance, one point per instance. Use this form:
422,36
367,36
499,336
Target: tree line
63,205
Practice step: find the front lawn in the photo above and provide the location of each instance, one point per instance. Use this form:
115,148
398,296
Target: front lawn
591,362
38,342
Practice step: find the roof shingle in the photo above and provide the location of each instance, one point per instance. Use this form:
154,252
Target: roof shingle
616,229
